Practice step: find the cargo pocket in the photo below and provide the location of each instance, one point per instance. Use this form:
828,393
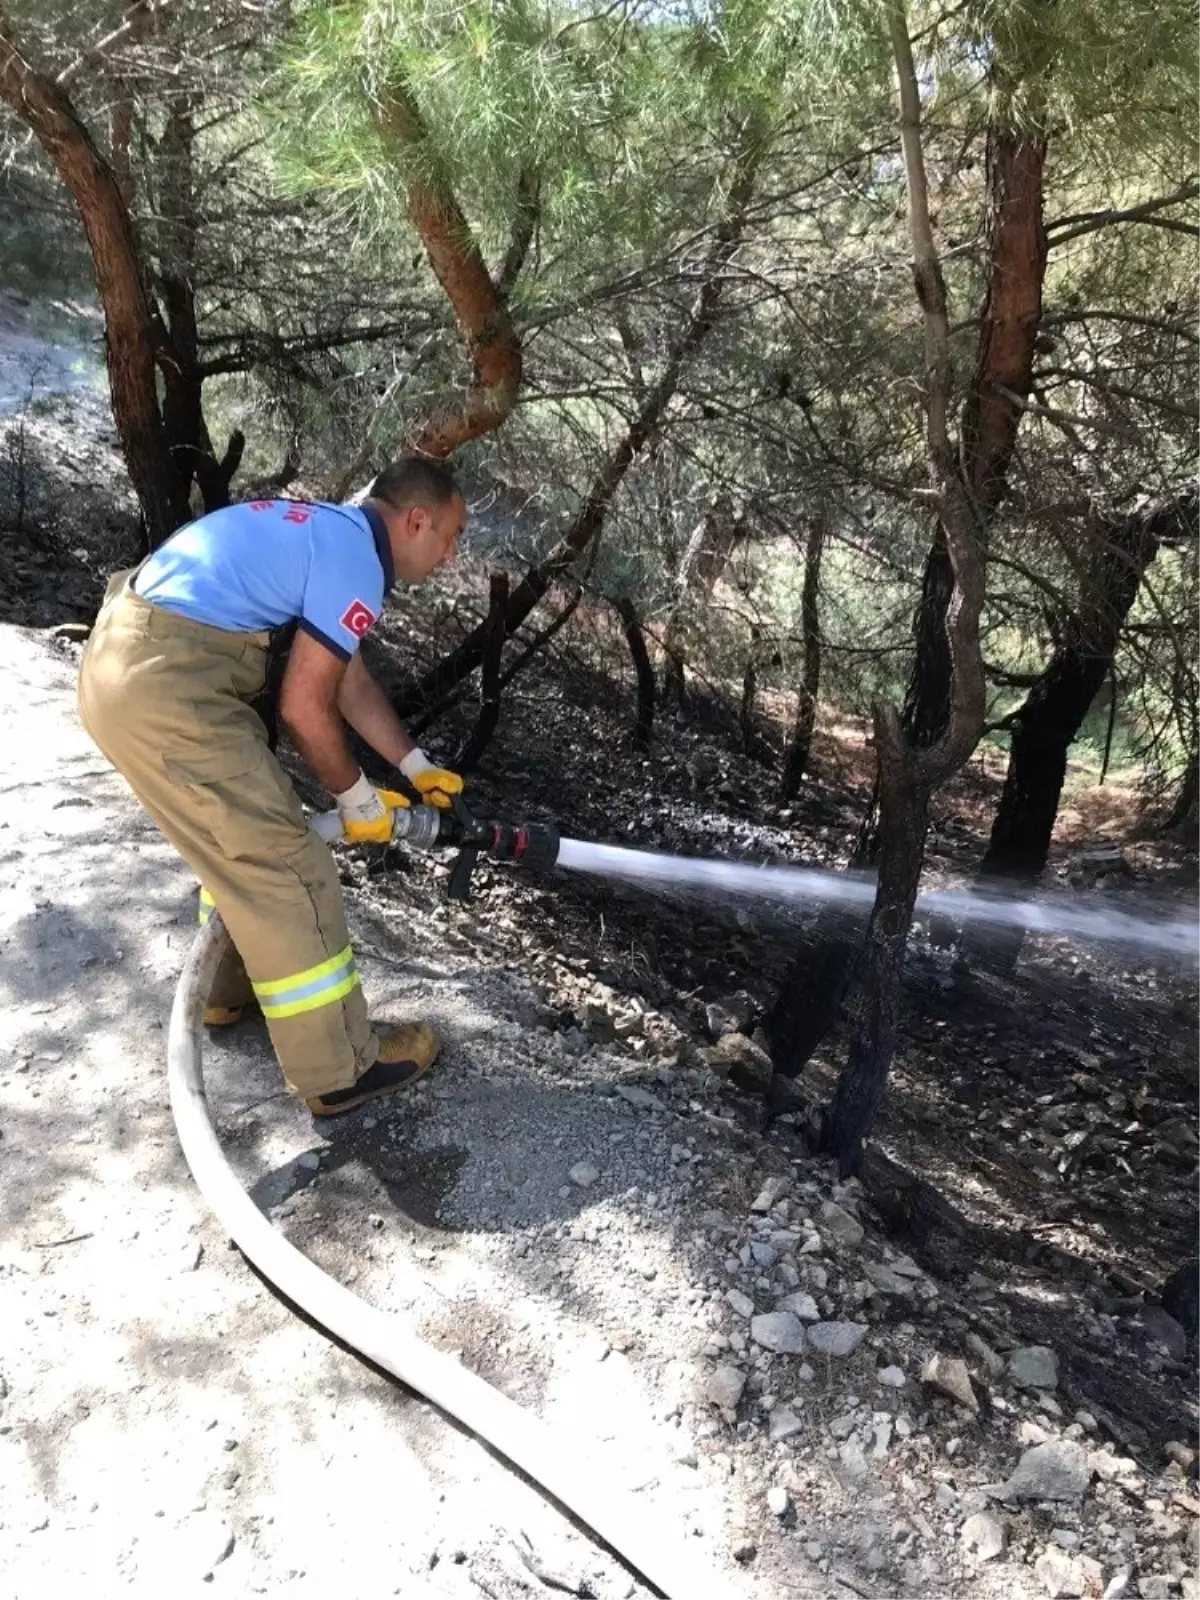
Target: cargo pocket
240,795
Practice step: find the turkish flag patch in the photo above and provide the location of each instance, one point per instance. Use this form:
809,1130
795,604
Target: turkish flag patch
357,619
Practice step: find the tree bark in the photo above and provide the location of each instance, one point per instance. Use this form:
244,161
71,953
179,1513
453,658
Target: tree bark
129,318
1045,726
904,822
705,558
480,307
643,726
490,683
799,747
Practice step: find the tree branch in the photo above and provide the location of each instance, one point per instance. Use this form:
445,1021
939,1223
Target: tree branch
1074,227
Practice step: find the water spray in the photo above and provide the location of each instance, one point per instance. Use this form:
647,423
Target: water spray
538,847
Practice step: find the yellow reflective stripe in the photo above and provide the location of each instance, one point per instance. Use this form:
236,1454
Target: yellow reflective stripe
324,997
206,907
309,975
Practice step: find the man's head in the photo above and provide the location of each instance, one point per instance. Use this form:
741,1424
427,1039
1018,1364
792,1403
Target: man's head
424,512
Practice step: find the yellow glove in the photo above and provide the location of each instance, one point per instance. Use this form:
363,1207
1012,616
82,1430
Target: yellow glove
436,786
367,813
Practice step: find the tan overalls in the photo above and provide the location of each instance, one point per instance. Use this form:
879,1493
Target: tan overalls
168,702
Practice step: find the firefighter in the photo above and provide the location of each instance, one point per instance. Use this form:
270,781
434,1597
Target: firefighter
179,653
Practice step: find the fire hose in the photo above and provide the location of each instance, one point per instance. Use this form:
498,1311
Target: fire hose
663,1558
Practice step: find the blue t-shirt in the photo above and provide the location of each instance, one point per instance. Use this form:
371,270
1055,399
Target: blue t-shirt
260,564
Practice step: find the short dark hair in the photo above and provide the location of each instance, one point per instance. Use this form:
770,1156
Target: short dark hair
414,481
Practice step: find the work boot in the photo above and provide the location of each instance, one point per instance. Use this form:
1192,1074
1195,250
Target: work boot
222,1016
405,1054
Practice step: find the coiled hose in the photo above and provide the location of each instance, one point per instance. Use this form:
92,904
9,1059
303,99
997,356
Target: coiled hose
661,1557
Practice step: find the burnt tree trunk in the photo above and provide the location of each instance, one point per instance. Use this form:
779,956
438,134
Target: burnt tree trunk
904,821
942,710
643,725
1045,725
800,745
130,332
490,681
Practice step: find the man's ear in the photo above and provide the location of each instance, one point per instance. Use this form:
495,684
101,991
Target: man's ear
418,521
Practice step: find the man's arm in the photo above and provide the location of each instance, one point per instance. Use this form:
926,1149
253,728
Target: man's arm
309,709
368,711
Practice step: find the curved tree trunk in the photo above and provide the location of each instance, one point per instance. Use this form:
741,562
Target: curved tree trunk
480,305
465,658
131,328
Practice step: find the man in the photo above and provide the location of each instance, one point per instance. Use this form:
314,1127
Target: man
179,652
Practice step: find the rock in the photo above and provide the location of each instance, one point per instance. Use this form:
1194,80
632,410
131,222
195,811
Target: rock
639,1097
882,1440
598,1024
1065,1538
764,1255
783,1423
772,1191
779,1501
801,1305
1118,1586
1183,1455
740,1303
949,1375
1056,1470
724,1387
891,1377
836,1338
310,1161
840,1226
946,1497
985,1534
583,1174
780,1331
1163,1329
1180,1295
720,1020
1034,1367
886,1279
735,1053
992,1364
1058,1573
1155,1586
742,1547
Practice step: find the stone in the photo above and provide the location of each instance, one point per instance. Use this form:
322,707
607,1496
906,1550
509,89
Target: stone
1181,1454
992,1363
764,1255
1118,1586
724,1387
1058,1573
985,1534
1034,1367
641,1098
1155,1586
1164,1330
779,1501
886,1279
801,1305
949,1375
310,1161
783,1423
773,1190
882,1439
836,1338
742,1547
583,1174
780,1331
1065,1538
740,1303
734,1051
1056,1470
891,1377
1181,1296
840,1226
